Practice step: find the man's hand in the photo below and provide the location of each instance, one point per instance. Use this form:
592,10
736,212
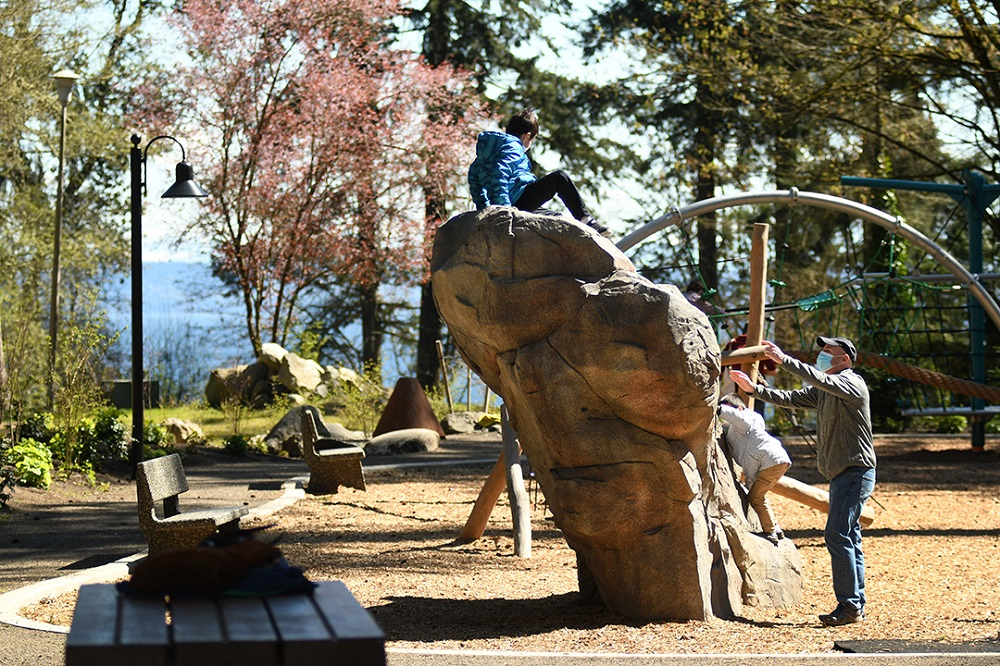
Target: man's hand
742,380
773,352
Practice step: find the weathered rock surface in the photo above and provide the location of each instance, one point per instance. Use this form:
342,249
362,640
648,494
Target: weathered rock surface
235,383
275,372
399,442
299,375
271,354
184,432
461,423
286,435
611,383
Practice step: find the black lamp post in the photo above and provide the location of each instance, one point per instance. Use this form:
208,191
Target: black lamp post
64,84
184,186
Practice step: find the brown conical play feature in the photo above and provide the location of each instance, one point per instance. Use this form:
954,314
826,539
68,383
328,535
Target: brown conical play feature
408,407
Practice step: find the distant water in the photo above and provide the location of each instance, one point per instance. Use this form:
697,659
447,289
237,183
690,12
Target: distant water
192,327
189,325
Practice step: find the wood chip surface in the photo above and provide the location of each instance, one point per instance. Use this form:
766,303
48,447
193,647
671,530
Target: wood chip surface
932,554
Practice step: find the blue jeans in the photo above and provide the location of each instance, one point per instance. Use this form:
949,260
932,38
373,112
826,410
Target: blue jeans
848,492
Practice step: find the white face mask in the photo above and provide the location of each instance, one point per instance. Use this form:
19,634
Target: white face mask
824,361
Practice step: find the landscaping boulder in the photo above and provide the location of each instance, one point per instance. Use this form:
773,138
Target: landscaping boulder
399,442
184,433
299,375
333,376
235,383
611,382
286,435
271,355
461,423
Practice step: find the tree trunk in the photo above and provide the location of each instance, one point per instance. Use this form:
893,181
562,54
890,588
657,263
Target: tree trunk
704,155
430,333
437,35
3,378
372,326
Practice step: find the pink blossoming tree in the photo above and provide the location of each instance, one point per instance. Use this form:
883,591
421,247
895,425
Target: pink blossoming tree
324,145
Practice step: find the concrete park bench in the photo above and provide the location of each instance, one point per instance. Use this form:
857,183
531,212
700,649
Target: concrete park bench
331,463
163,480
324,626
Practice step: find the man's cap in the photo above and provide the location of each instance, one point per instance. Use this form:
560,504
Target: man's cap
844,343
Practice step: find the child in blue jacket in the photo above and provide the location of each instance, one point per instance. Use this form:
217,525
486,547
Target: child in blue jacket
501,173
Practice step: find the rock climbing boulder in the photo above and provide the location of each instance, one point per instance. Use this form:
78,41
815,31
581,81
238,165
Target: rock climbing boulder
611,384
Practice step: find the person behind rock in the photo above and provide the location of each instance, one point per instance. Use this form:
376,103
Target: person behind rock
762,457
845,454
501,173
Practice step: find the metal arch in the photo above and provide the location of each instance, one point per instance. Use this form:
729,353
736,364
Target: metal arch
792,197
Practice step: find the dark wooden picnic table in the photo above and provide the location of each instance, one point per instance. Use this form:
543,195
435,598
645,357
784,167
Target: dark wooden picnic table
326,626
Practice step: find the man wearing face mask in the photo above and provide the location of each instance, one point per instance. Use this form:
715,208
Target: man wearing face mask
845,454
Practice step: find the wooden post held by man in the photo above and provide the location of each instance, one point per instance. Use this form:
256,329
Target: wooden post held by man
758,298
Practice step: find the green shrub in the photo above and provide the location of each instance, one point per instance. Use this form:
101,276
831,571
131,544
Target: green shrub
40,426
236,445
363,402
941,425
7,477
100,437
438,399
951,425
32,462
155,435
150,452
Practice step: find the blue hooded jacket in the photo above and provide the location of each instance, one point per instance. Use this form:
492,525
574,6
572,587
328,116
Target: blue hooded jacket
500,171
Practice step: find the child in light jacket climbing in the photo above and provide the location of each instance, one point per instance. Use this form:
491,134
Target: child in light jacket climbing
762,457
501,173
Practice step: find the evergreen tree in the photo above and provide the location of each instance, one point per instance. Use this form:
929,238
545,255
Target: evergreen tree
488,40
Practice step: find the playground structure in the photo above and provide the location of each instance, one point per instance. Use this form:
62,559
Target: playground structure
981,303
611,382
973,196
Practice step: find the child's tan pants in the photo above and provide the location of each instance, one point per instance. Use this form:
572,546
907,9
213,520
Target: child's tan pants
766,478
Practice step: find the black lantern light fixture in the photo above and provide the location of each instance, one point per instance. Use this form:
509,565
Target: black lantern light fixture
183,187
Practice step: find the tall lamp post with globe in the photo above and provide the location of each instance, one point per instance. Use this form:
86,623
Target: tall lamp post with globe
183,187
64,85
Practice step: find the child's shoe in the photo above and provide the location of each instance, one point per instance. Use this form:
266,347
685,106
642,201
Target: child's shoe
596,226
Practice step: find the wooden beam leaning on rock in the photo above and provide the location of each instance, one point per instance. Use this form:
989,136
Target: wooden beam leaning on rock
743,355
815,497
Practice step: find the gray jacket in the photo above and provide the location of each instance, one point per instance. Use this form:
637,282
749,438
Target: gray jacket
843,417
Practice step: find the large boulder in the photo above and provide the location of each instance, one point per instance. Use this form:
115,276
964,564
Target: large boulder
461,423
286,435
299,375
611,384
183,433
400,442
271,355
236,383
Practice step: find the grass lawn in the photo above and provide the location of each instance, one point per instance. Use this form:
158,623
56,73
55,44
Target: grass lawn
217,424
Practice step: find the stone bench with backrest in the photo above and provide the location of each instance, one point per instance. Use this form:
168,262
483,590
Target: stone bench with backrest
163,480
331,463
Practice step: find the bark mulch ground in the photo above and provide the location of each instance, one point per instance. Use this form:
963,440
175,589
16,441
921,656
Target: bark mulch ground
933,558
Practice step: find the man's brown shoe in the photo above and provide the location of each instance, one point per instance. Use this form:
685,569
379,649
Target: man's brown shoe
841,615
